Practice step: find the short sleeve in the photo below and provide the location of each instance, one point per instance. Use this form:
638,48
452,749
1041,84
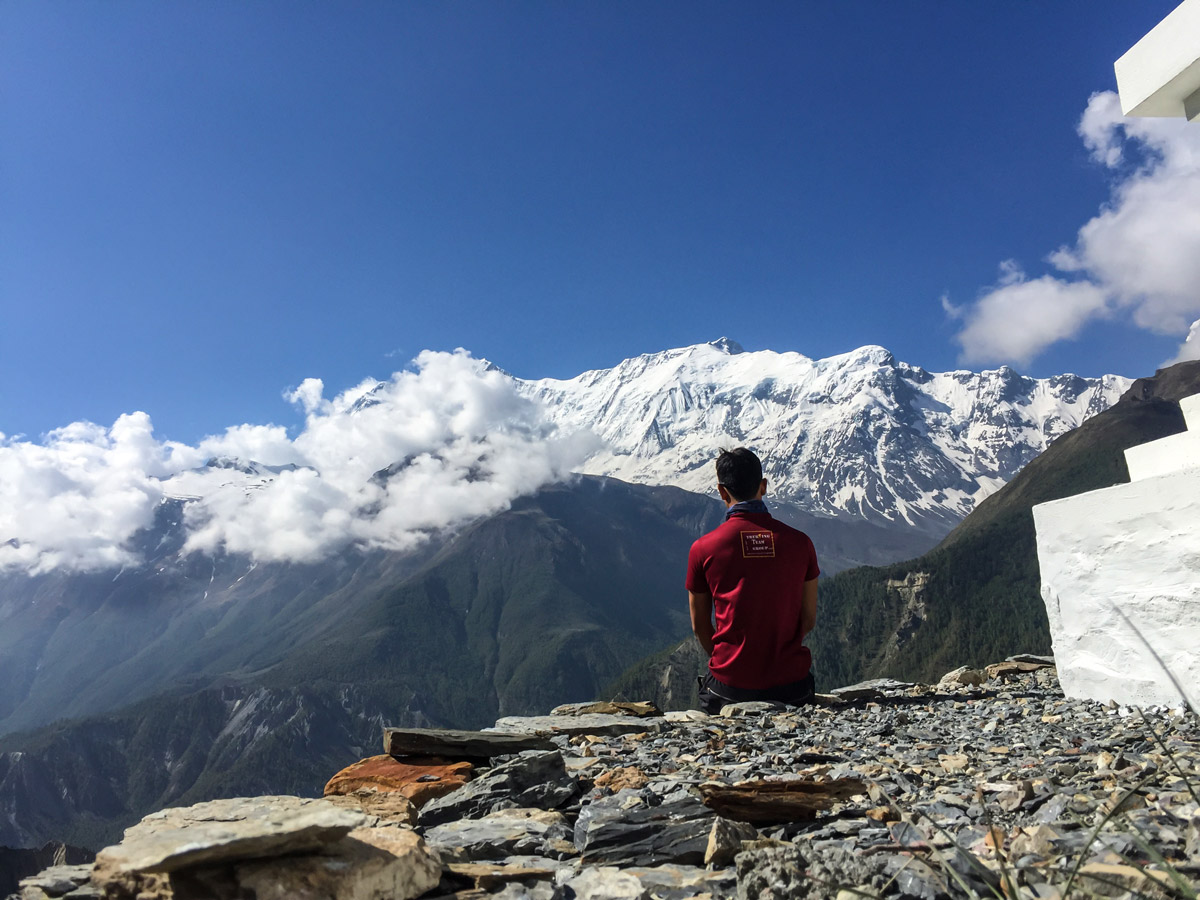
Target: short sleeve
695,581
813,569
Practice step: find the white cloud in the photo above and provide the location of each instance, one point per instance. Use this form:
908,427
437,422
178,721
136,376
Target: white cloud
951,311
1190,348
459,441
74,499
1139,257
997,326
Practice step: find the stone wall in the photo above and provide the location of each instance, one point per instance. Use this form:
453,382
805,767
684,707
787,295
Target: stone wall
1121,577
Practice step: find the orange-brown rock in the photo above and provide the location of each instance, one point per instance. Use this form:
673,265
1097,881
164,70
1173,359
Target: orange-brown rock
627,777
419,778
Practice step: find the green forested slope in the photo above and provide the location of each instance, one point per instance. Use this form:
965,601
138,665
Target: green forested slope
540,605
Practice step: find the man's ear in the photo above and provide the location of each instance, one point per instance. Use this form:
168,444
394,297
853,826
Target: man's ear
762,489
725,495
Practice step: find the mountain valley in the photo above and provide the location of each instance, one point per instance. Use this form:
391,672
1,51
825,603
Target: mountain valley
192,676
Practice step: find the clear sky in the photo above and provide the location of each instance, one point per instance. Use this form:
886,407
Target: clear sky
204,203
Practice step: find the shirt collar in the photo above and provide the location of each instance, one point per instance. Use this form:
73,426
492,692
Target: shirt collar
742,507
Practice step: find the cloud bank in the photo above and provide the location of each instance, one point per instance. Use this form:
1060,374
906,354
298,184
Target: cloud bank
381,465
1138,258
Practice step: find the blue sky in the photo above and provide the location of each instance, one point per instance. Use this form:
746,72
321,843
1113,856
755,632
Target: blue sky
204,203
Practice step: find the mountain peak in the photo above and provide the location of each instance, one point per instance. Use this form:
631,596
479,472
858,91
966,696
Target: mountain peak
859,434
727,345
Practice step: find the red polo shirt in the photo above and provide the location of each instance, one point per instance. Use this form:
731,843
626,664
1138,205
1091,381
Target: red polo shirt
754,566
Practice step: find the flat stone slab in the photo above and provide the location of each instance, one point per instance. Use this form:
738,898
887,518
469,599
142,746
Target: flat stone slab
1011,668
686,716
875,689
641,709
488,876
768,802
1032,658
224,830
599,724
753,708
470,745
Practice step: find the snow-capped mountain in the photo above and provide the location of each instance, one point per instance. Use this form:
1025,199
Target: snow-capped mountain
859,433
219,474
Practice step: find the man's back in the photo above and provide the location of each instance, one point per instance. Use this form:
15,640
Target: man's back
755,569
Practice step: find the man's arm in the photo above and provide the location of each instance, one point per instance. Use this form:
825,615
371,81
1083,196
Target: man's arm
701,608
808,607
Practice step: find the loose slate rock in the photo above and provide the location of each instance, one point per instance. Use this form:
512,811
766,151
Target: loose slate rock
56,880
803,871
875,689
533,780
469,745
725,841
751,708
506,832
964,675
606,883
671,882
612,831
485,876
224,830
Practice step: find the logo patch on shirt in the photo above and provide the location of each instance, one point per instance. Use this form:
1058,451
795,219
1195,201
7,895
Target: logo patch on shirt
758,544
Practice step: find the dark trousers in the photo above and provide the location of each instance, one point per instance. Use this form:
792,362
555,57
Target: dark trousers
715,693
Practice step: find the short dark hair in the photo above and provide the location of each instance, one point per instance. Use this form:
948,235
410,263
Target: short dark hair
739,471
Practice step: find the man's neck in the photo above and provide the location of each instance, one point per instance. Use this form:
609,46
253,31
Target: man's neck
745,506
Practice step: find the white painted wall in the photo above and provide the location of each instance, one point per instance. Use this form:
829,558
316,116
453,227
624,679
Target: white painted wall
1121,578
1160,74
1176,453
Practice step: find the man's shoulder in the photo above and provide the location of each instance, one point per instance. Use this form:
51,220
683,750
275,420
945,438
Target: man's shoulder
785,528
715,535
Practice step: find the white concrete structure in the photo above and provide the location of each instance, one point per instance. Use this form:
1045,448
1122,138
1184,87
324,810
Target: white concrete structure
1160,74
1121,577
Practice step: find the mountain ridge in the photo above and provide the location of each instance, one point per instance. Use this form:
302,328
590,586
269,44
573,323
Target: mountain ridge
860,433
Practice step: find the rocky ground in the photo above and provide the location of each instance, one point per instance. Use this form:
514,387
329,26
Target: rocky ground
990,784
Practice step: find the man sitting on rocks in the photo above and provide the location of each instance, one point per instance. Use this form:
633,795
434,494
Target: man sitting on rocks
760,578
